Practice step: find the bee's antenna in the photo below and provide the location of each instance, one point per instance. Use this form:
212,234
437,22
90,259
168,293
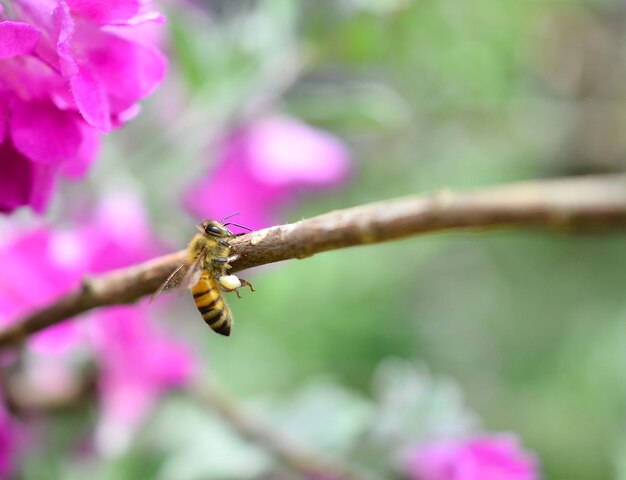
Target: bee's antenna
229,216
237,225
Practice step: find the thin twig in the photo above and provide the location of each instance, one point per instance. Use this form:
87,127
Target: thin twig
584,204
289,451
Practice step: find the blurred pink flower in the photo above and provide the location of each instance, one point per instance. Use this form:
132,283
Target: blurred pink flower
42,264
136,361
38,266
481,458
263,166
67,71
137,364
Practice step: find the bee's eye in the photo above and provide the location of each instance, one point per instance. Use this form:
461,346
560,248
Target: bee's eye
215,230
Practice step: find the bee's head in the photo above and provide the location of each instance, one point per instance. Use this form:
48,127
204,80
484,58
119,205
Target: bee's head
213,228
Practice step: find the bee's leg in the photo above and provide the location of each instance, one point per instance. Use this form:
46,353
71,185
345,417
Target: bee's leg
231,283
246,283
226,289
232,258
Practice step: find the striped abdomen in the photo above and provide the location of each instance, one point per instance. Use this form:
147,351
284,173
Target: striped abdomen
211,305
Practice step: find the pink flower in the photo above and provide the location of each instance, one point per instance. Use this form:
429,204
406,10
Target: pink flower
481,458
137,361
138,364
42,264
38,266
263,166
68,70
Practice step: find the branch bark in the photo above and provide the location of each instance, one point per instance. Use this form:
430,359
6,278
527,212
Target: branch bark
577,205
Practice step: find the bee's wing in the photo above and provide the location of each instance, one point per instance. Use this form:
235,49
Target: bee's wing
173,281
190,278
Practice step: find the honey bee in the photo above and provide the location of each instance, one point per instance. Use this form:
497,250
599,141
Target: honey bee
205,272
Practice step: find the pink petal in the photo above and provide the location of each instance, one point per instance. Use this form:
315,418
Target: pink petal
435,460
126,116
57,339
28,79
65,26
127,70
138,363
42,185
43,133
284,151
210,198
17,38
15,178
119,233
39,260
105,11
142,19
23,182
495,457
3,118
90,99
77,166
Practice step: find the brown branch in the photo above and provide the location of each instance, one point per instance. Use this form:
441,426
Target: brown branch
288,450
584,204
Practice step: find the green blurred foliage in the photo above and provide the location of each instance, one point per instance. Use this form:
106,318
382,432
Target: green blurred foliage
429,94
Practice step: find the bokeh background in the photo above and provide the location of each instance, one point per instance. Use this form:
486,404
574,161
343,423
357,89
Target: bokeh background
392,344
